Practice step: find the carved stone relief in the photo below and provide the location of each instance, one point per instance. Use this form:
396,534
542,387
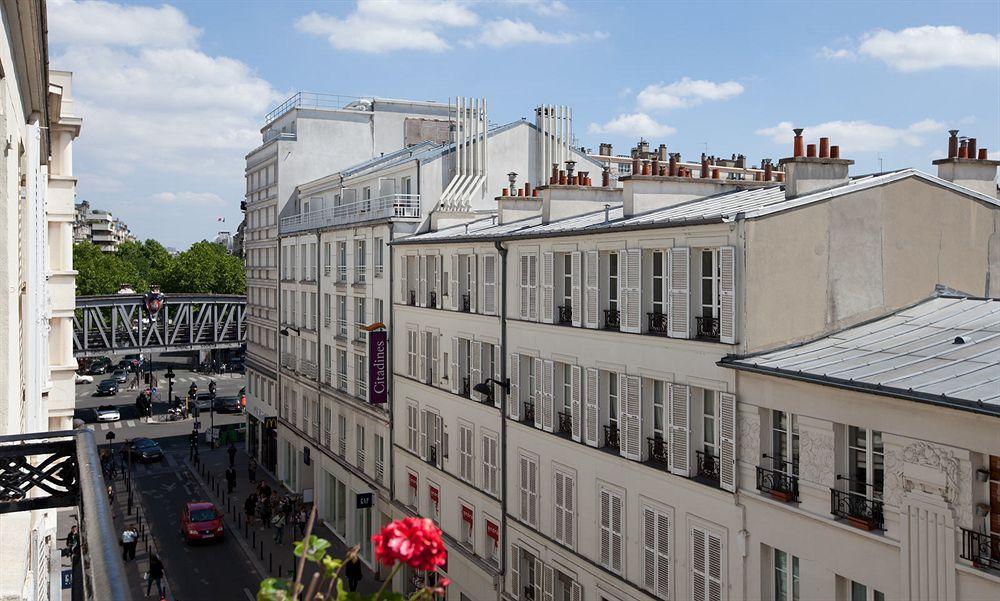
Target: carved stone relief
816,456
748,437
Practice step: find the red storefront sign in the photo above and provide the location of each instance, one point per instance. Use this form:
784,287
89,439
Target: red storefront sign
468,516
493,531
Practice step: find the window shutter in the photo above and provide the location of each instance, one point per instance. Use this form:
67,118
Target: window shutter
714,544
403,290
424,427
411,352
727,435
679,299
515,571
548,286
591,409
533,287
617,546
473,286
706,565
576,294
623,290
605,524
422,356
489,284
727,295
435,339
533,489
476,370
632,315
547,395
548,583
539,390
524,489
592,294
569,511
558,521
440,440
456,386
523,267
537,583
649,549
514,402
679,400
439,284
576,383
422,281
456,303
632,434
575,591
656,552
623,389
497,362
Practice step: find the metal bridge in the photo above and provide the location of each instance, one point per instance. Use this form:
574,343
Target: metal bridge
120,323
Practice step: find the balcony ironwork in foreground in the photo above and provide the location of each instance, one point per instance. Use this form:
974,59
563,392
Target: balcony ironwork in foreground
62,469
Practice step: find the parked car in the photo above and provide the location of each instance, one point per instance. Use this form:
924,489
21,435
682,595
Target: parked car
228,404
200,521
107,413
107,387
99,365
145,449
84,379
120,376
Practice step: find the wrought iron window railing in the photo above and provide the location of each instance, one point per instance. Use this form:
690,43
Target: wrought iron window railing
466,390
657,449
858,509
657,323
778,483
708,466
565,313
708,328
612,319
466,303
565,422
528,415
981,548
611,438
432,299
412,298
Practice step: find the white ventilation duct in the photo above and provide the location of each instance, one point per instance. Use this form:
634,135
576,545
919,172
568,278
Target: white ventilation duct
471,129
555,125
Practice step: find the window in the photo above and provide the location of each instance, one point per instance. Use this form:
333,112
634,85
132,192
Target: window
431,430
341,262
866,462
434,501
529,490
786,576
378,249
342,435
327,255
490,465
359,261
466,453
468,529
530,381
379,458
377,311
360,319
659,295
656,551
342,369
710,444
566,389
706,565
611,546
327,309
412,343
860,592
710,279
360,443
336,507
785,442
659,409
612,400
567,277
613,281
361,376
405,185
412,433
341,315
412,483
564,487
492,541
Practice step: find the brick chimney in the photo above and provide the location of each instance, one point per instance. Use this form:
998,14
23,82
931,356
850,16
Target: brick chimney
805,174
968,168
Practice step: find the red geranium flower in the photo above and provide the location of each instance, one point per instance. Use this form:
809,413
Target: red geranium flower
413,541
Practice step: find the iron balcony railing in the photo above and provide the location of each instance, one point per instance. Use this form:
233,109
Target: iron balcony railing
390,206
62,469
657,449
528,415
860,510
612,319
981,548
309,369
412,298
466,303
657,323
708,328
359,274
465,387
611,438
565,313
778,484
432,299
565,422
341,274
708,466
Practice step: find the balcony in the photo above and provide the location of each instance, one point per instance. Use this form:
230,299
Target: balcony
565,314
342,381
528,413
466,303
360,333
309,369
361,389
565,422
288,360
982,549
379,270
612,319
778,483
342,275
342,328
657,323
707,468
390,206
859,510
708,328
62,469
432,299
611,438
360,275
657,450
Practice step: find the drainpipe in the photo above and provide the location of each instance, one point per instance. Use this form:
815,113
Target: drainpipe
503,411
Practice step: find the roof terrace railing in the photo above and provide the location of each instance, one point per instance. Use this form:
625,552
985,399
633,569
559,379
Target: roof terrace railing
402,206
310,100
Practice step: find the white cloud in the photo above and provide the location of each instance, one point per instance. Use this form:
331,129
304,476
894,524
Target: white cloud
685,92
378,26
546,8
187,198
857,136
632,125
932,47
106,24
506,32
836,53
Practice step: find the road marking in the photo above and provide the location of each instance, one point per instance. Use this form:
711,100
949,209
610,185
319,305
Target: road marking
118,425
104,425
131,423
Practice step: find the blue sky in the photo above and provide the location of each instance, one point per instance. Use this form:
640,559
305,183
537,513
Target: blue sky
172,93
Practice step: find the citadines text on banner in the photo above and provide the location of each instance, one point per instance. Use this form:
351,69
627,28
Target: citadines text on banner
378,378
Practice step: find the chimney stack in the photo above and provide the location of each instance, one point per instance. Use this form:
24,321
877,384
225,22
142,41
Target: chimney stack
797,148
968,166
605,149
809,171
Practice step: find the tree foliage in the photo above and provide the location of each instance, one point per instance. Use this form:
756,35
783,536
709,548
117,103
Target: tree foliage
204,268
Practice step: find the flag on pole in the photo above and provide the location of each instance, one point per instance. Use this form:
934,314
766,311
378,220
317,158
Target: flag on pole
222,219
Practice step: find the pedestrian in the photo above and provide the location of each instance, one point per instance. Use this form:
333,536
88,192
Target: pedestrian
72,542
300,522
230,479
278,521
252,469
232,454
111,495
155,574
353,572
265,512
248,508
129,540
112,466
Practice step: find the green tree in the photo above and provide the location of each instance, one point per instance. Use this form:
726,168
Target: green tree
149,258
99,272
208,268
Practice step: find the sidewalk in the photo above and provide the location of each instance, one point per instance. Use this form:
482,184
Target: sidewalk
270,558
135,569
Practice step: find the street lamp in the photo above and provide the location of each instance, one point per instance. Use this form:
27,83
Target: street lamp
484,388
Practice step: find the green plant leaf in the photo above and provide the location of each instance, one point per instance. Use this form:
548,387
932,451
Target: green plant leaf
273,589
316,551
331,565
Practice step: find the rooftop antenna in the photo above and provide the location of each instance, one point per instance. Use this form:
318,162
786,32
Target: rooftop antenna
878,155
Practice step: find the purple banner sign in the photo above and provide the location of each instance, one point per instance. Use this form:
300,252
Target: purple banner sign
378,367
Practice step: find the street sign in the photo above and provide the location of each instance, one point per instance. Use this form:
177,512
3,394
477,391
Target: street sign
365,500
67,578
110,436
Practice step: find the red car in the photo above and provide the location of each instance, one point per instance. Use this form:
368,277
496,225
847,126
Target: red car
200,521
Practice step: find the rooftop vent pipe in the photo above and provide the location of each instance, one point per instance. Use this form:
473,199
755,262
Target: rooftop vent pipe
953,144
798,149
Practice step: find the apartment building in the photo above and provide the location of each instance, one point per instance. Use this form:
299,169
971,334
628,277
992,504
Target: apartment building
335,289
99,227
307,137
596,320
881,441
38,191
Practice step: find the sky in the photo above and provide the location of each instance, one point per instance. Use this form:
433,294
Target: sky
172,95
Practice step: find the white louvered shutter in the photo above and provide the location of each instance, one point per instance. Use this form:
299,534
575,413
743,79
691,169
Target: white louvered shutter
591,408
533,287
576,390
727,295
558,485
422,281
436,367
617,525
523,474
425,426
456,385
714,544
439,284
539,388
631,439
548,287
706,565
476,369
611,542
605,528
592,294
623,388
632,301
576,292
490,284
515,571
514,399
656,552
497,362
533,488
548,421
679,401
422,347
622,288
537,581
404,292
523,279
473,286
569,514
456,302
679,297
548,583
727,436
575,592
